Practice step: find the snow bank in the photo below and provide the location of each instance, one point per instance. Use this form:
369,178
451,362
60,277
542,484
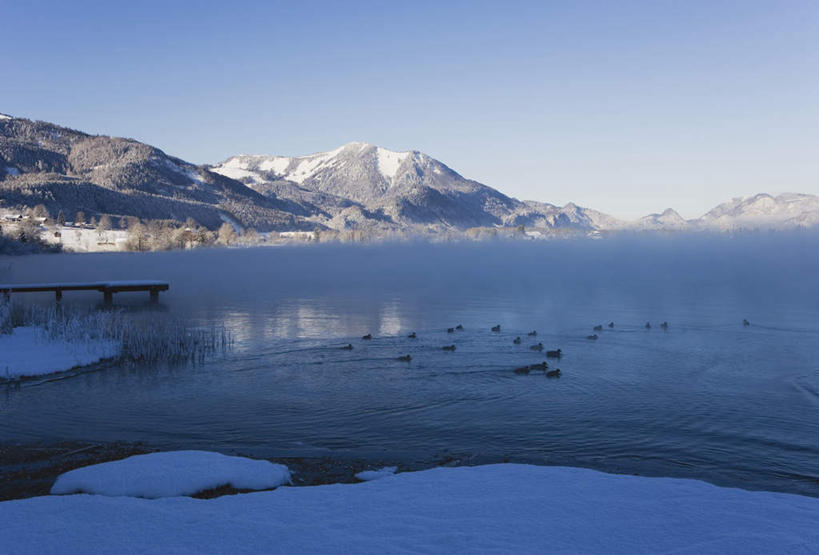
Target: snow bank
498,508
368,475
29,351
171,474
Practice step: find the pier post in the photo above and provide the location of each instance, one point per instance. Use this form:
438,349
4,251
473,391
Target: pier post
154,295
59,295
109,297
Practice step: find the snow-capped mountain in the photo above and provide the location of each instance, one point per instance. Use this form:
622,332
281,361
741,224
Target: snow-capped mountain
368,185
355,186
763,211
668,220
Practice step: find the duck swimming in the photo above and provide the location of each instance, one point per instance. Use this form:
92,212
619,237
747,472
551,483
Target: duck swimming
348,347
448,347
450,330
664,325
745,322
538,347
405,358
648,325
611,324
496,328
412,335
367,337
598,328
592,337
539,366
516,341
553,373
459,327
554,354
522,370
532,333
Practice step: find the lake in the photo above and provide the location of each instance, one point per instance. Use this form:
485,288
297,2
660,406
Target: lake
709,398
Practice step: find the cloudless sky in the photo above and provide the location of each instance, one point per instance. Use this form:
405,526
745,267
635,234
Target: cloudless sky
626,107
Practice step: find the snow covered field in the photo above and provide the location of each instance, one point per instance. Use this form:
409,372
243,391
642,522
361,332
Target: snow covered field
29,351
77,239
496,508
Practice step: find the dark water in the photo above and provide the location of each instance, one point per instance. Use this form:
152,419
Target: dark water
708,399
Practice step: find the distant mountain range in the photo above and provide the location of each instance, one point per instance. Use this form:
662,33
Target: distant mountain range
356,186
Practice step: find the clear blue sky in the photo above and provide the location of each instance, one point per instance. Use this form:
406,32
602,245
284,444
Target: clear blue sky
627,107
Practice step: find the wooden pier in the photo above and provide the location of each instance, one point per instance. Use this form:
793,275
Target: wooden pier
107,288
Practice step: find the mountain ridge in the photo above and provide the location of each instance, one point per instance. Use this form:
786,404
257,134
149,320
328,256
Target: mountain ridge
69,170
357,186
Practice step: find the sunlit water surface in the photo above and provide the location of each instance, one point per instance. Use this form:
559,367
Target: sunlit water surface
708,399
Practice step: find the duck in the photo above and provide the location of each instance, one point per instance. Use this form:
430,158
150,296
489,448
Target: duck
532,333
598,328
450,330
592,337
745,322
459,327
448,347
554,354
516,340
553,373
648,325
496,328
412,335
348,347
539,366
611,324
664,325
367,337
522,370
538,347
405,358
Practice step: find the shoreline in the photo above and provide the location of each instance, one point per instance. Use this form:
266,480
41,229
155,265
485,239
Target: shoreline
29,469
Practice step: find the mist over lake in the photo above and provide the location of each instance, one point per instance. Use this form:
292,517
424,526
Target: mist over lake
709,398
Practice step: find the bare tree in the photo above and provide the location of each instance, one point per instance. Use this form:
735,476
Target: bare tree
79,219
104,223
227,235
251,237
204,236
137,236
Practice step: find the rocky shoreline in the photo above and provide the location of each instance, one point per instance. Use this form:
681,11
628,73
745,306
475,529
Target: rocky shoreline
29,470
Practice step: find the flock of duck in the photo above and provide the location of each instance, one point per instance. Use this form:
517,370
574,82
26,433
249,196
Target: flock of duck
557,353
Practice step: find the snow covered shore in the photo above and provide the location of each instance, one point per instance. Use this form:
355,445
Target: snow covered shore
29,351
495,508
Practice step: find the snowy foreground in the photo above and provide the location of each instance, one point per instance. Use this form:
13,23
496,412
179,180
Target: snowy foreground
28,351
497,508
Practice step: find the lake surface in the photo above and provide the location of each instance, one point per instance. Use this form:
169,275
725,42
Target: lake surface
707,399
